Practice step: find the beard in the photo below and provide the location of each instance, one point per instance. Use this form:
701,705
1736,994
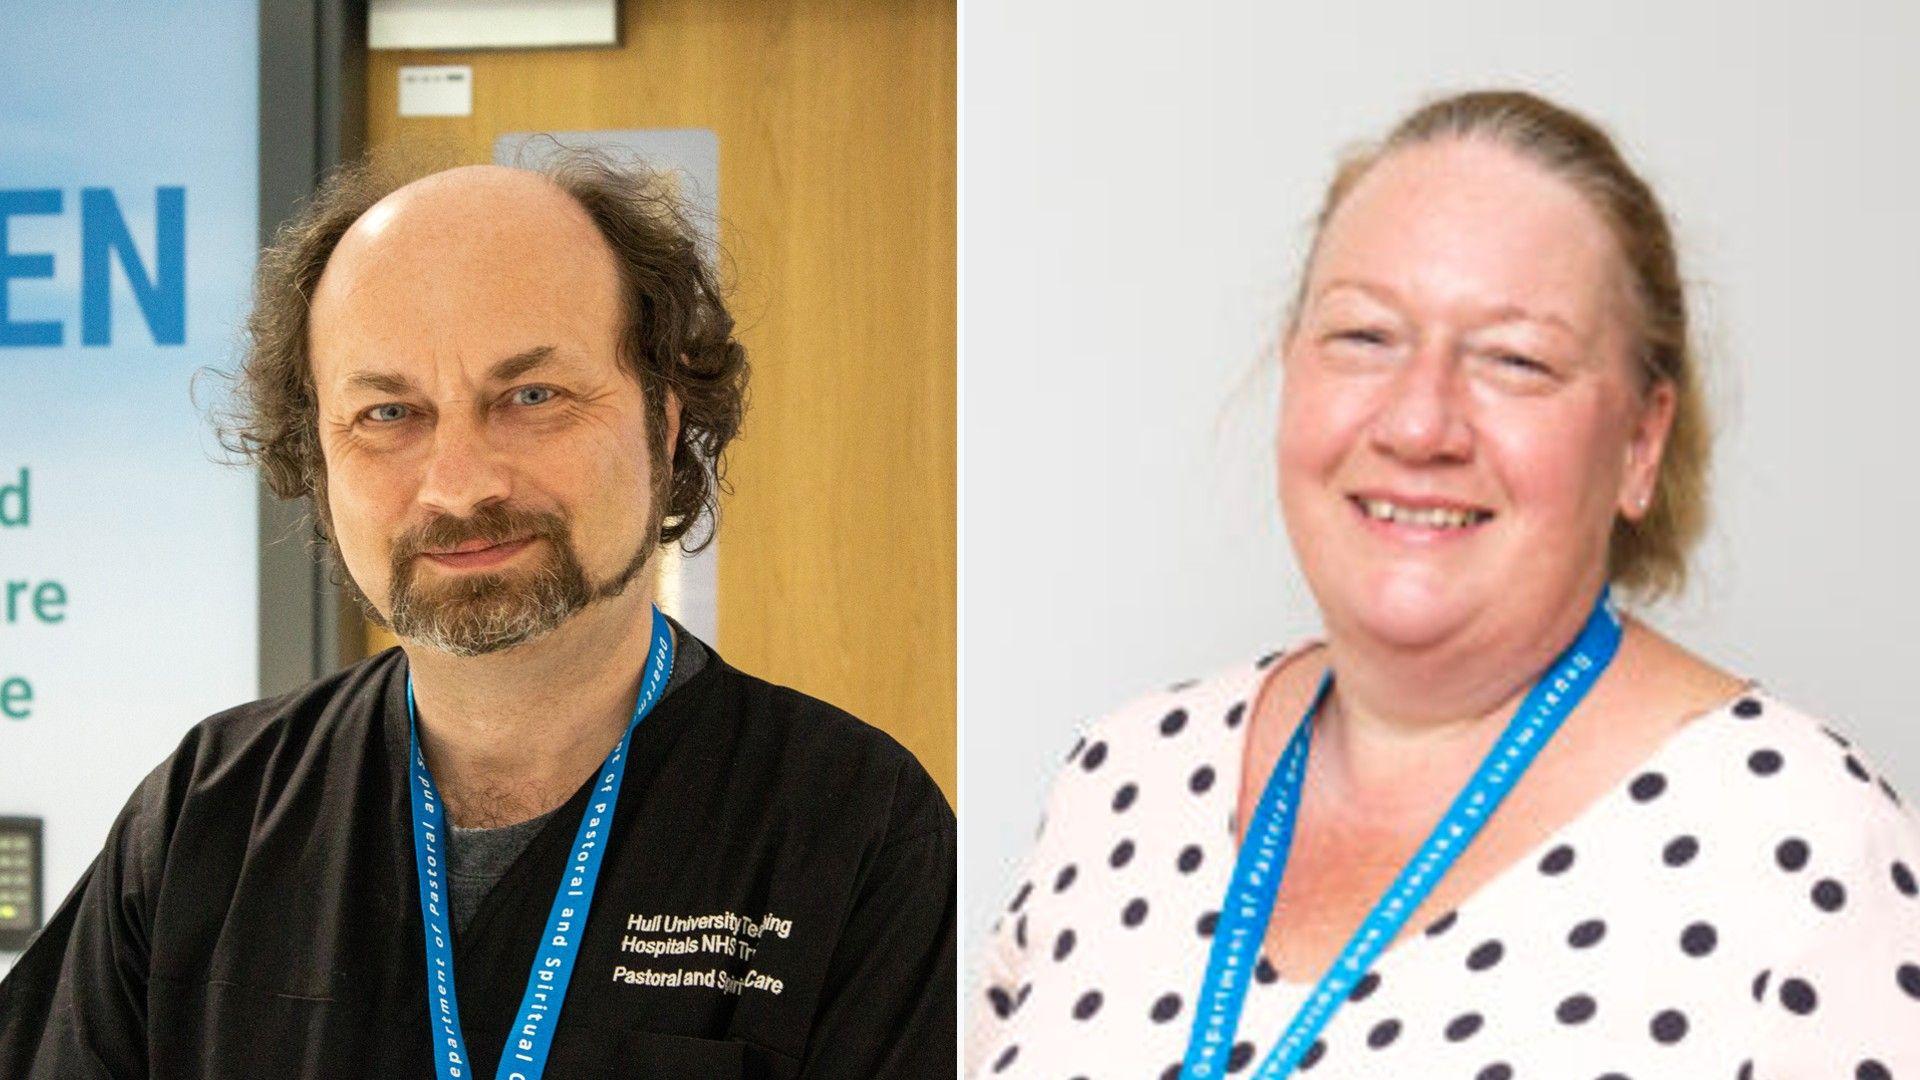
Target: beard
479,613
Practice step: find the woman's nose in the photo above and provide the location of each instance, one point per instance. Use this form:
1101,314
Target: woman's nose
1424,418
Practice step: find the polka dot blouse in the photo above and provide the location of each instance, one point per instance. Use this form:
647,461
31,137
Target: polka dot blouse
1744,904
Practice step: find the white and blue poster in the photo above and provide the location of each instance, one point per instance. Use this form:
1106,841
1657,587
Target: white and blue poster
128,551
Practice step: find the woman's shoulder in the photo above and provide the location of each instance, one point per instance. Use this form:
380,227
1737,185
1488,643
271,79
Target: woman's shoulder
1809,766
1805,820
1218,701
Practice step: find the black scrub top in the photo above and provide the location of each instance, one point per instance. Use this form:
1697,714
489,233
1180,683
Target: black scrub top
776,900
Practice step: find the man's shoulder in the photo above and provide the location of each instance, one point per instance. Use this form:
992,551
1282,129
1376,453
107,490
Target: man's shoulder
817,743
235,743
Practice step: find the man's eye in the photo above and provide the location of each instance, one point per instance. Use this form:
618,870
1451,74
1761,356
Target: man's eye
1364,337
386,414
533,395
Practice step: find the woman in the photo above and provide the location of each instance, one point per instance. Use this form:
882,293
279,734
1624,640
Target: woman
1491,421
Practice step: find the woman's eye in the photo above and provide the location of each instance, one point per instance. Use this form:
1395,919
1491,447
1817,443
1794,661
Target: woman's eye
1364,337
1522,362
533,395
386,414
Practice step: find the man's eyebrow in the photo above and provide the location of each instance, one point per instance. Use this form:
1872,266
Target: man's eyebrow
520,363
382,382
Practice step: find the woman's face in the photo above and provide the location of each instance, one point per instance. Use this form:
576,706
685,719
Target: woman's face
1461,418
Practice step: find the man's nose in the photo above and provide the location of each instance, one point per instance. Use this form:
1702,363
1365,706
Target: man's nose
464,470
1424,418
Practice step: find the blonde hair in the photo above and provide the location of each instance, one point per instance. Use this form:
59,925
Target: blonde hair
1648,557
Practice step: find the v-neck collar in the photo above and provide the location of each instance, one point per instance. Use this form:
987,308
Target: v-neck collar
1251,681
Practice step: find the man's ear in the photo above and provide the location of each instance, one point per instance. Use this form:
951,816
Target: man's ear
672,408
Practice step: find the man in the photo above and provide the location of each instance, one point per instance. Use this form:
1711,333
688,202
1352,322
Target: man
551,832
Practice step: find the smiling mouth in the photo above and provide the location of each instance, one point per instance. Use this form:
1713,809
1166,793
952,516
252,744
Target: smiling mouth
1420,517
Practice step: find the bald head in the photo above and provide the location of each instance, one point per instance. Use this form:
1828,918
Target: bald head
469,256
465,354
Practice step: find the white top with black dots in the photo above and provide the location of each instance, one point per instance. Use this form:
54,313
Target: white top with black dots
1742,906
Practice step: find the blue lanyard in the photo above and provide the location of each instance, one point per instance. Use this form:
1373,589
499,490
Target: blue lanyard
525,1055
1263,860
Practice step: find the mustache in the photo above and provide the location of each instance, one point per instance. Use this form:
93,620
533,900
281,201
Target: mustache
492,524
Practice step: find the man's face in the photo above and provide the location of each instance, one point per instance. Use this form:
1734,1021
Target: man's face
488,466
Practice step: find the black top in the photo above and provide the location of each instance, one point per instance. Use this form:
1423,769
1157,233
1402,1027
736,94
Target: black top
776,900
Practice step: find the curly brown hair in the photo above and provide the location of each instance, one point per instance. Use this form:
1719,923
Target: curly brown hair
679,335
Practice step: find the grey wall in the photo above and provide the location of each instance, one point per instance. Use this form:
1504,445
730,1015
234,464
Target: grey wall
1136,183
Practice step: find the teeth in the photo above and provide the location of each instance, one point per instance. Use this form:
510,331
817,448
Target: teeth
1436,517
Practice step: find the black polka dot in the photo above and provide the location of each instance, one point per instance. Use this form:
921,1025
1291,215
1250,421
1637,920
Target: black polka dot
1858,770
1020,931
1764,762
1095,755
1442,924
1669,1026
1557,860
1485,955
1121,855
1005,1059
1887,790
1239,1056
1835,736
1171,1072
1798,996
1065,877
1236,714
1829,895
1680,851
1124,797
1063,944
1746,708
1201,781
1903,879
1135,912
1368,984
1313,1055
1267,660
1871,1070
1165,1008
1173,722
1698,939
1088,1004
1189,860
1463,1026
1205,924
1020,998
1577,1009
1020,898
1908,976
1746,1071
1001,1001
1383,1034
1499,1070
1760,984
1265,973
1791,854
1587,933
1647,786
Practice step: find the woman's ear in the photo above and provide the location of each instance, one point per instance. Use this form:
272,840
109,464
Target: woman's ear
1646,444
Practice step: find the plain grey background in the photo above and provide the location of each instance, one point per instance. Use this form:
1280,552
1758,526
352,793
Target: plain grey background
1136,185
